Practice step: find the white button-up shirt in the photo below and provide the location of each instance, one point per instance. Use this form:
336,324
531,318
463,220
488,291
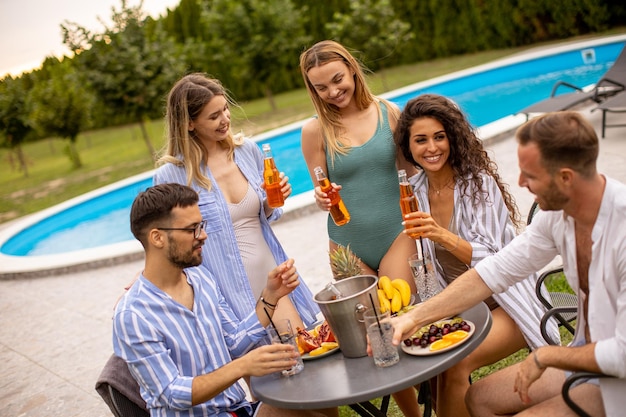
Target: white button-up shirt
552,233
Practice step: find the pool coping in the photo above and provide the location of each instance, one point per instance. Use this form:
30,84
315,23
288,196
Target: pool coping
13,267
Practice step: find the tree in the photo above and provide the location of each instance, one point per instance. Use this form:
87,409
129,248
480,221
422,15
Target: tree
258,39
59,105
15,128
129,69
373,28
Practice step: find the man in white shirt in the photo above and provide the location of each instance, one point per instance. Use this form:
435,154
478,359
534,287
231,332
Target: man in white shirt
582,218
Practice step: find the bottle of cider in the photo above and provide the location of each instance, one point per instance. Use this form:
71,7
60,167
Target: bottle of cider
271,177
408,200
338,210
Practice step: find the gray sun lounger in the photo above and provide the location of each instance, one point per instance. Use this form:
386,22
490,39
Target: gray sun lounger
614,104
612,82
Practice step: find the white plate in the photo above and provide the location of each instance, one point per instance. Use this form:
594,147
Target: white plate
307,357
420,351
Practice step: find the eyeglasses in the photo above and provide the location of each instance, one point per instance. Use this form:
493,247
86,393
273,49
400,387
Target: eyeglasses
197,231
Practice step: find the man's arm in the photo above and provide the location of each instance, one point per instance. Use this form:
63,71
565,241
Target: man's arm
280,281
581,358
258,362
464,292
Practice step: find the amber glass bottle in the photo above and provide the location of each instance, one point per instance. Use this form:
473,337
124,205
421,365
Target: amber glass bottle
338,210
271,177
408,200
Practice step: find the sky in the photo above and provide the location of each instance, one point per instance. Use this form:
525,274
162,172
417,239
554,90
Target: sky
30,30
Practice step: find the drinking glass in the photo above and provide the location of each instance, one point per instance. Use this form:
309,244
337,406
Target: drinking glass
283,333
380,335
424,275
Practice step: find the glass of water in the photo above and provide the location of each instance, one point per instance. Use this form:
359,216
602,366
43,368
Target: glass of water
284,333
380,335
424,275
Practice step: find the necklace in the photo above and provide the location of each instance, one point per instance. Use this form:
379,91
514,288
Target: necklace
438,191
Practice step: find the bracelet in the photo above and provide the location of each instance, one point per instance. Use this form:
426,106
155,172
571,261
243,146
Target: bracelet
458,240
539,365
270,305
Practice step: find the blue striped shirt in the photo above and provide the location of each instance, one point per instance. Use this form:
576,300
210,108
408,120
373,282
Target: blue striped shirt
220,252
166,345
484,222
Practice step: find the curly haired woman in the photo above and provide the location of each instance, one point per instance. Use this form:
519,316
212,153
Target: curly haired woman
466,214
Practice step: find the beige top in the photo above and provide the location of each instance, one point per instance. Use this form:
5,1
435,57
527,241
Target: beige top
257,258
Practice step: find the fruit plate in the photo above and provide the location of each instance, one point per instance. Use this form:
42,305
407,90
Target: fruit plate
307,357
420,351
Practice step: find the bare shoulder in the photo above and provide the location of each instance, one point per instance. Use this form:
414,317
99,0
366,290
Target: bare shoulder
312,129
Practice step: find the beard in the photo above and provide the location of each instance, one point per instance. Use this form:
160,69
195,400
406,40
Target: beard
184,259
552,199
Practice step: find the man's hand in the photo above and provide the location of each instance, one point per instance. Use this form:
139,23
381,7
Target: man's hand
269,358
281,281
527,373
404,326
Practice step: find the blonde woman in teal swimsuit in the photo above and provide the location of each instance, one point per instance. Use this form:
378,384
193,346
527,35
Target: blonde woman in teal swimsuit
352,140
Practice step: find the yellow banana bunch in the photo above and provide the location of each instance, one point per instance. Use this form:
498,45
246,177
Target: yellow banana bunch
393,295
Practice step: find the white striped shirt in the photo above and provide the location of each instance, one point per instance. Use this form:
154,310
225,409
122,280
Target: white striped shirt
166,345
484,222
220,253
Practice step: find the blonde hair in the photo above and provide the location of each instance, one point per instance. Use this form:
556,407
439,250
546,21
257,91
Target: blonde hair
185,102
328,115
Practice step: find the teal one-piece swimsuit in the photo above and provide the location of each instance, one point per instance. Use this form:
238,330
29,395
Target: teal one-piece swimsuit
369,180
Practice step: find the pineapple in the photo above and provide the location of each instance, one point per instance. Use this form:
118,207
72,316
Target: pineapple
344,263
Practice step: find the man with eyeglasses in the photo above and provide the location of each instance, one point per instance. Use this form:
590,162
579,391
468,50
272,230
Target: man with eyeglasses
180,339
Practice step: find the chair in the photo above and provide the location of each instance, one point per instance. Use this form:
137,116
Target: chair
563,306
565,302
565,314
119,390
615,104
534,209
613,81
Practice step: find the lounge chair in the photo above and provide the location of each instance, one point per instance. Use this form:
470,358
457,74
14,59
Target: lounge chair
615,104
612,82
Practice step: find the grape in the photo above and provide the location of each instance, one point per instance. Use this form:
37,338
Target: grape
408,342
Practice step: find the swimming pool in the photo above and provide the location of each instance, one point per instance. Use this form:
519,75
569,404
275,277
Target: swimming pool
487,93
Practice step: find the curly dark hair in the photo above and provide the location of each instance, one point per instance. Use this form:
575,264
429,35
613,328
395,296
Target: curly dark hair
467,158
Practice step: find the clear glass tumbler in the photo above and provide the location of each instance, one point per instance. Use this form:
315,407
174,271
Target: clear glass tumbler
380,335
424,275
284,333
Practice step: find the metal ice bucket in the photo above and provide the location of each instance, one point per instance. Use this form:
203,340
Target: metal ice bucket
345,314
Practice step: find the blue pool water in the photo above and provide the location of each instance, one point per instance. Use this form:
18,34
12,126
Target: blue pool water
486,96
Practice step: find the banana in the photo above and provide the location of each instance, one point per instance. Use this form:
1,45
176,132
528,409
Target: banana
385,284
405,290
396,301
384,301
